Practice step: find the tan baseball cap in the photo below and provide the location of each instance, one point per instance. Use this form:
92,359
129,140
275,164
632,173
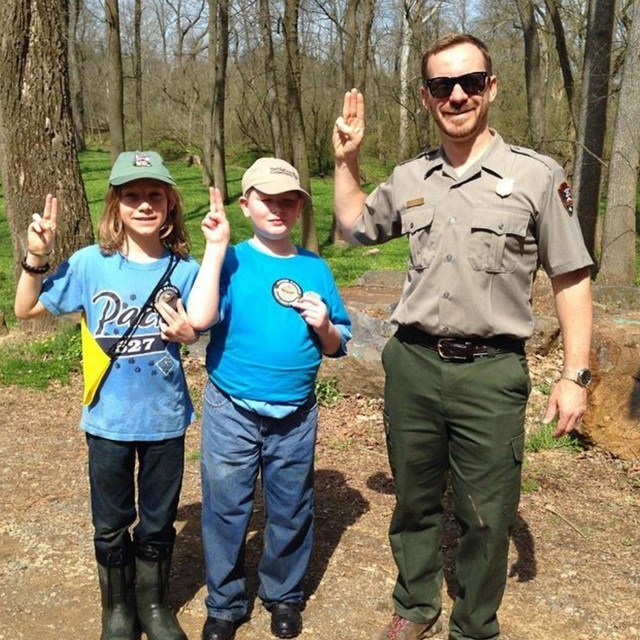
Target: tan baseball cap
272,176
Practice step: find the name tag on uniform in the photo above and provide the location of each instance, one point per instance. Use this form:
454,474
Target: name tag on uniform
416,202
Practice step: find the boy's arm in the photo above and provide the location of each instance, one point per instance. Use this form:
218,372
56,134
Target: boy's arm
40,239
204,298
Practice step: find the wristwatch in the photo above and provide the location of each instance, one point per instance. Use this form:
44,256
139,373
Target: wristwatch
579,376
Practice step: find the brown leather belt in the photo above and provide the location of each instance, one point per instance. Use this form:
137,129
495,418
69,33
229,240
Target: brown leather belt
460,349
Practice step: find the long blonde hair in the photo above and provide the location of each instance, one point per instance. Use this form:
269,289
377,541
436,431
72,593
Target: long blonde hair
173,234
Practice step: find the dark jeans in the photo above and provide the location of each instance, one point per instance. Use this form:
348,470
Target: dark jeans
112,477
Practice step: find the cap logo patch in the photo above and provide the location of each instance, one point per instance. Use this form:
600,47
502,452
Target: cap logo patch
141,161
564,191
284,172
286,291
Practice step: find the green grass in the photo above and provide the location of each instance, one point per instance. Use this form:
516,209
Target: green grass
541,439
35,364
327,392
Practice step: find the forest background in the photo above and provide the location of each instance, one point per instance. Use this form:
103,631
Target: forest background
213,84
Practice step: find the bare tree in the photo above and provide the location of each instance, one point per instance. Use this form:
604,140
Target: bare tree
296,127
272,100
137,69
533,73
617,258
593,117
366,23
563,54
71,11
36,128
115,92
350,37
218,57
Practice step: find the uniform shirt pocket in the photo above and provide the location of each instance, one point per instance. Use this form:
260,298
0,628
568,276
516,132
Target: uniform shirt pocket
497,239
416,223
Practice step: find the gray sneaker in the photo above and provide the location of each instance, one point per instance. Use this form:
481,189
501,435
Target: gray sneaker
403,629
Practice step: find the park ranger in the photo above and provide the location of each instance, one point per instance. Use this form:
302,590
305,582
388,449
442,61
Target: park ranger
481,216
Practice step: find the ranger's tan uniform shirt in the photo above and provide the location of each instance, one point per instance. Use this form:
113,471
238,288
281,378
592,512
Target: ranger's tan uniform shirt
475,240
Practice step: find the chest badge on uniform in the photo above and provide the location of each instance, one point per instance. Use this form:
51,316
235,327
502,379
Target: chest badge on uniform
564,191
504,188
286,291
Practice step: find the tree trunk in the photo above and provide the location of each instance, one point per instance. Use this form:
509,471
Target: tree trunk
137,70
365,45
405,52
222,56
38,153
115,94
73,8
563,55
272,101
617,259
214,159
299,144
593,118
533,74
349,39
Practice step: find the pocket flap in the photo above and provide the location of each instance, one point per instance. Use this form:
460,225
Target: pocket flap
501,221
417,218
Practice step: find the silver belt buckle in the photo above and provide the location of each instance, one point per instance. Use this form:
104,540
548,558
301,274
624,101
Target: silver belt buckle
464,354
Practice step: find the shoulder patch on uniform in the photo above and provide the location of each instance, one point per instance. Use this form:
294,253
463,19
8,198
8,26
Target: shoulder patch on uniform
564,191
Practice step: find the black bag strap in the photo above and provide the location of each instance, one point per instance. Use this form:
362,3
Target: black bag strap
126,336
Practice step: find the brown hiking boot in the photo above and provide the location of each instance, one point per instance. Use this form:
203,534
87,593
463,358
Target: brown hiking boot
402,629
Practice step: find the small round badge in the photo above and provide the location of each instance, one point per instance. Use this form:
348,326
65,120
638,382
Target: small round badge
286,291
168,294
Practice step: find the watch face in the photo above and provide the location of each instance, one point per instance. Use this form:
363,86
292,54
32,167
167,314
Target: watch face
584,377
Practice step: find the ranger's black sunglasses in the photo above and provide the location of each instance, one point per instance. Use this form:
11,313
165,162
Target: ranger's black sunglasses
472,84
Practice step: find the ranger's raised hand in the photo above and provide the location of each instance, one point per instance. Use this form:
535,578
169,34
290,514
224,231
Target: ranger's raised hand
349,128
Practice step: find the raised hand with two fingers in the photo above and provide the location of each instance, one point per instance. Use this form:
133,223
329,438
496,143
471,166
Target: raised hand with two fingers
41,231
215,226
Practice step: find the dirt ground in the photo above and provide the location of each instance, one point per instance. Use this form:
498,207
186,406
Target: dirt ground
574,565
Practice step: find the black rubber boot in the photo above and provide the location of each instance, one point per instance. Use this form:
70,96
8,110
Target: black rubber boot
119,617
152,581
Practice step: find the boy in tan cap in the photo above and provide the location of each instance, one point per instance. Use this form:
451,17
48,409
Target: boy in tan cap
274,310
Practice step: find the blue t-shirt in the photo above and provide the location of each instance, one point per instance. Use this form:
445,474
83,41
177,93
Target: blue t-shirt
262,349
144,394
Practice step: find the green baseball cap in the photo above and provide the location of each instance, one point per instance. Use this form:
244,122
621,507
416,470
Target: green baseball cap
134,165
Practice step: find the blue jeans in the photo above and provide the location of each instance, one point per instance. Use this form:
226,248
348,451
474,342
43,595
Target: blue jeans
113,501
236,444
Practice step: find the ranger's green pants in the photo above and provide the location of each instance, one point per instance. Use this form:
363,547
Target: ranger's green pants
468,419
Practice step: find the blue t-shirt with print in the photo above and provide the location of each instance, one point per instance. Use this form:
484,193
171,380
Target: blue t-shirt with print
144,394
262,349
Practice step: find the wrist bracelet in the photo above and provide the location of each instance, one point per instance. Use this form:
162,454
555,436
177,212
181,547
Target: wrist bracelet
35,270
39,255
